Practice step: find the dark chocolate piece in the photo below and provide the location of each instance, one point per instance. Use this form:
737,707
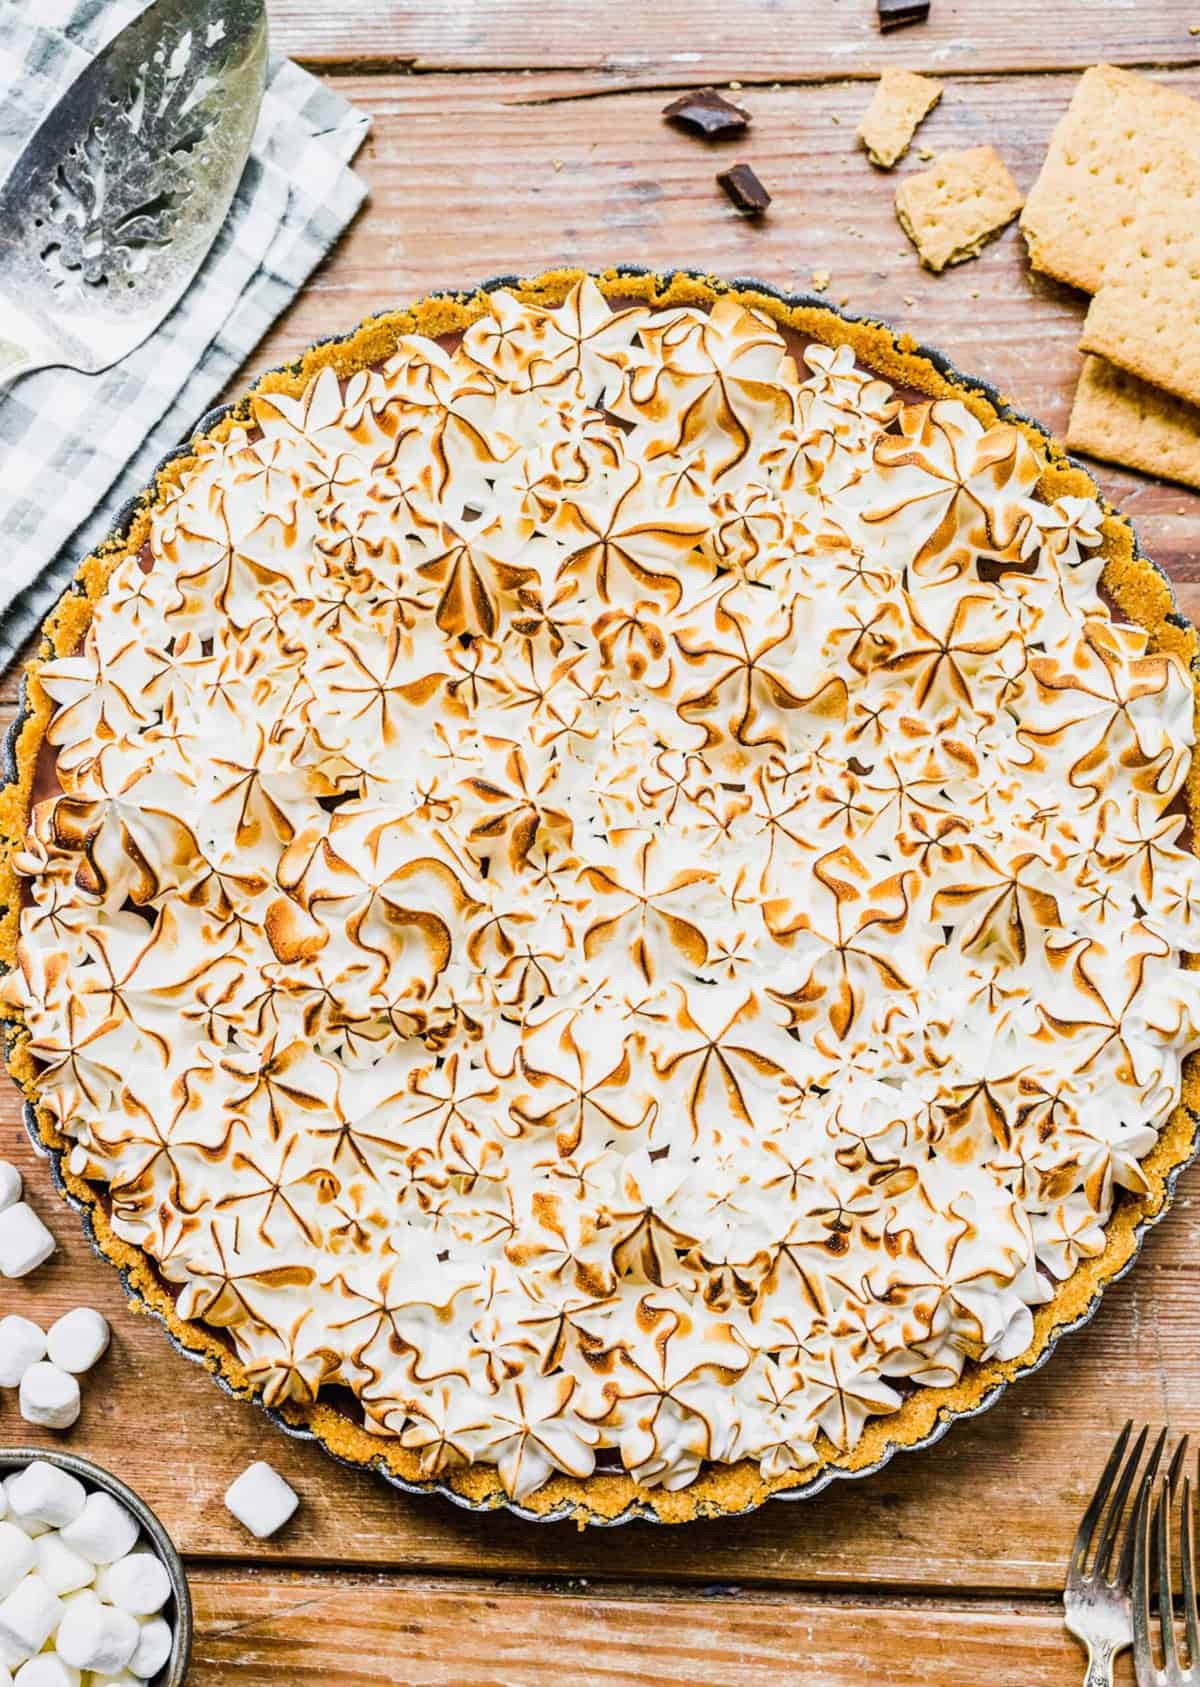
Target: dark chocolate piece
896,14
708,113
745,190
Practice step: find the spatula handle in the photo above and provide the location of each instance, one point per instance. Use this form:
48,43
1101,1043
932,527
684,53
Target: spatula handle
23,345
15,361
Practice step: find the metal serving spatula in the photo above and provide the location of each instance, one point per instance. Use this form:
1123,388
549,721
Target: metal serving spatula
109,211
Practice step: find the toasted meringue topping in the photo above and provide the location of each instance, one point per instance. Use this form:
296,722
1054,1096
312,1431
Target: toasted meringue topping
606,893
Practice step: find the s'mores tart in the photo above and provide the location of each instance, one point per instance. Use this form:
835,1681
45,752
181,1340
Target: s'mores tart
606,919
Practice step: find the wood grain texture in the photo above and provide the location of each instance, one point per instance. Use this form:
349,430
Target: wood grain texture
358,1633
264,1630
993,1507
602,180
605,180
687,42
943,1569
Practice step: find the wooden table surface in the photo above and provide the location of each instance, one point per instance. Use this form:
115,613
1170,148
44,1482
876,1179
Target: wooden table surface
508,137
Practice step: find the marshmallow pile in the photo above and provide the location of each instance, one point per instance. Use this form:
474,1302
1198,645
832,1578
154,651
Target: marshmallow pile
45,1365
81,1596
25,1242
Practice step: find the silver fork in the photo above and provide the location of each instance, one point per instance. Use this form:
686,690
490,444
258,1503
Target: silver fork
1099,1608
1152,1526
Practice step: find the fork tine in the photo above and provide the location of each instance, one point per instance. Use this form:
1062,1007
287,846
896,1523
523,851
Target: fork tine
1188,1554
1112,1520
1091,1516
1125,1568
1139,1534
1166,1610
1177,1465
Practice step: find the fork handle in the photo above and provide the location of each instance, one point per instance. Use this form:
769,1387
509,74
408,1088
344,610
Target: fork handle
1101,1654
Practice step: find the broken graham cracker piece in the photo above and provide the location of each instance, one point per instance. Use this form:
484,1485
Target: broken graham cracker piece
949,210
1146,315
901,99
1118,127
1123,420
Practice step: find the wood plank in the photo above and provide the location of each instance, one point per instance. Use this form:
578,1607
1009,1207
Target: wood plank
993,1506
685,42
356,1633
1006,1489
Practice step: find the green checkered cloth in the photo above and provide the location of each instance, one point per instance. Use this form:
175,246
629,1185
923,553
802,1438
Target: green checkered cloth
74,448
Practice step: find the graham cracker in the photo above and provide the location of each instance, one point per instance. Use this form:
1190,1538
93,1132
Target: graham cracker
1123,420
1117,129
949,210
901,99
1146,315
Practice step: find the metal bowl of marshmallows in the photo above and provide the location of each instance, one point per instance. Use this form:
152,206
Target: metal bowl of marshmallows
86,1566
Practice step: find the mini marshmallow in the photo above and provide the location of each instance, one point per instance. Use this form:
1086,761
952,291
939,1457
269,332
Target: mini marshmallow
83,1596
25,1243
32,1527
96,1636
78,1339
10,1184
153,1648
18,1555
48,1396
261,1499
46,1670
30,1614
46,1493
22,1343
62,1570
137,1583
103,1532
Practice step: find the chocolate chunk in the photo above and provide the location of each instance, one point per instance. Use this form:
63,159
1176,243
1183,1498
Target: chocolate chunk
708,113
895,14
745,189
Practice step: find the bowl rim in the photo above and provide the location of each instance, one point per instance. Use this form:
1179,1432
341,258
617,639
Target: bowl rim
643,1506
174,1672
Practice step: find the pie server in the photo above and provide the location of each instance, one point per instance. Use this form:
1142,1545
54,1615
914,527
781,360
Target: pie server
108,213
